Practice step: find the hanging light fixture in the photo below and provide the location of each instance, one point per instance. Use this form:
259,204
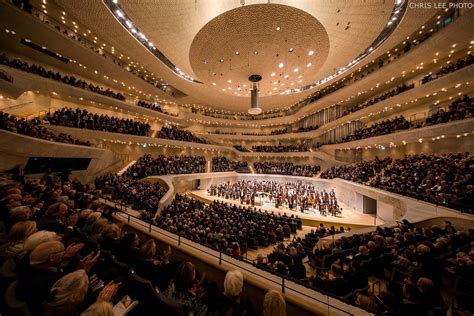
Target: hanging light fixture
254,107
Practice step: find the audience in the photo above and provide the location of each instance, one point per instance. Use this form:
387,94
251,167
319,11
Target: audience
70,80
174,133
151,106
307,129
384,96
286,168
32,129
223,164
280,148
358,172
377,129
84,119
227,227
241,148
141,195
452,67
147,166
445,180
460,109
279,131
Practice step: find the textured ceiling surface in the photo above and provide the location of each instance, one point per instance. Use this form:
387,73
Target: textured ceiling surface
282,44
172,25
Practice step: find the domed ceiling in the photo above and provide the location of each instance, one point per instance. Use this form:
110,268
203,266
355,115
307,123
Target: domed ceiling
284,45
214,45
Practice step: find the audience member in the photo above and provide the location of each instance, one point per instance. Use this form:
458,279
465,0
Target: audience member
174,133
70,80
286,168
280,148
223,164
84,119
22,126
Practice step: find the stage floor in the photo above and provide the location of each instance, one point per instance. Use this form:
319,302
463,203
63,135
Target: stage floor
349,215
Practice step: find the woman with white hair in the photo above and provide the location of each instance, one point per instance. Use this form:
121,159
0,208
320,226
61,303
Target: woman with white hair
67,293
70,291
38,238
231,301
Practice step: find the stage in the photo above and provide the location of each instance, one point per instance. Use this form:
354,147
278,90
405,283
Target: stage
310,218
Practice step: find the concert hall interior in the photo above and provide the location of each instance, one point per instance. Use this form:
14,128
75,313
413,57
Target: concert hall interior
236,157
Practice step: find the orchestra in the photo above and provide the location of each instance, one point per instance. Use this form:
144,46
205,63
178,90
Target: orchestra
296,196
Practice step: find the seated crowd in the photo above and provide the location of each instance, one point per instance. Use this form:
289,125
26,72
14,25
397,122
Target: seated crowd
226,227
141,195
380,128
279,131
286,168
358,172
413,261
222,164
280,148
174,133
307,129
62,254
241,148
378,99
85,119
445,180
70,80
150,106
452,67
147,166
459,109
33,129
287,257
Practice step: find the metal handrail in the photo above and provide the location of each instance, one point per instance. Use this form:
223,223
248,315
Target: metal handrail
224,257
16,105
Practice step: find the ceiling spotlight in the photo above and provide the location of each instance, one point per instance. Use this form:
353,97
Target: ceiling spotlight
237,52
221,60
229,81
281,65
309,65
296,70
286,76
273,74
213,83
255,53
311,52
291,49
278,28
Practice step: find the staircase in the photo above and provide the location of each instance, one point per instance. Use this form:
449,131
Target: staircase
122,171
